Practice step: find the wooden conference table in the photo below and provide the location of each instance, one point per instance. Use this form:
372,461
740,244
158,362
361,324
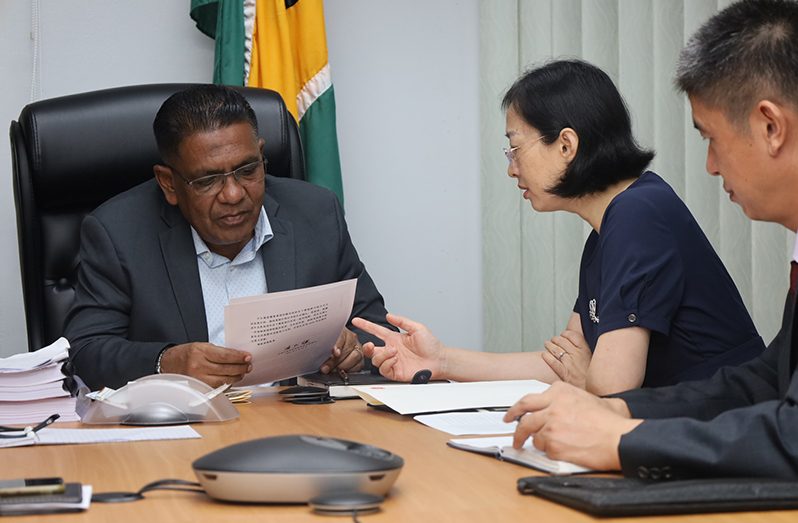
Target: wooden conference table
437,483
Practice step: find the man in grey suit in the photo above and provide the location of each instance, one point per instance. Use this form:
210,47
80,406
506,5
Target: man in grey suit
160,261
740,72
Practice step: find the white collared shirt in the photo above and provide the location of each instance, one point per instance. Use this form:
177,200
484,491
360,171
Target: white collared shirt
795,250
224,279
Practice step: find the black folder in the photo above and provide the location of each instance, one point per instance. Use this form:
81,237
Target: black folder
632,497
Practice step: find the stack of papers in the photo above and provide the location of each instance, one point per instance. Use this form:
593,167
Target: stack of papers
31,386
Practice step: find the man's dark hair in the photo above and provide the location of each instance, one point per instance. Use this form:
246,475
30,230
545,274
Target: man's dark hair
745,53
197,109
576,94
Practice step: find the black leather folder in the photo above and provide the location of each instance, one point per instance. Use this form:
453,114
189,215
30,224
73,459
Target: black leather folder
614,497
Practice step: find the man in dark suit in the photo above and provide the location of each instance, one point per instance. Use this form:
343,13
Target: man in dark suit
740,72
160,261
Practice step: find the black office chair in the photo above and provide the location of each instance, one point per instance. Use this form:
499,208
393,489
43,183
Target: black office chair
70,154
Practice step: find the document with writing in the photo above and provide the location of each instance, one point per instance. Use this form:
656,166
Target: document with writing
441,397
528,456
288,333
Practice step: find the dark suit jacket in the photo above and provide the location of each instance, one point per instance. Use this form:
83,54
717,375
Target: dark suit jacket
139,289
741,422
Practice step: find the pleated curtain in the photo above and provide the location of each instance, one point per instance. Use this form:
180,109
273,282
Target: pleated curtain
530,259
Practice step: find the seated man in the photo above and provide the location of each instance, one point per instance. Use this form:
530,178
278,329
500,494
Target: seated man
740,72
160,261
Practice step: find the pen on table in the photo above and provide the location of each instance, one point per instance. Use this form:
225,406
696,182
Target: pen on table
344,376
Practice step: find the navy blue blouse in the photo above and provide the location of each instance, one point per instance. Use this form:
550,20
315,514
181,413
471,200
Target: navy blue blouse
653,267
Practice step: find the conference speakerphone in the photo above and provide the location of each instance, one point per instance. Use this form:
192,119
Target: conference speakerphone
296,469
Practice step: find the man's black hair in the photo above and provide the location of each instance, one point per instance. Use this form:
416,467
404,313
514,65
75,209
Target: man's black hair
745,53
199,108
576,94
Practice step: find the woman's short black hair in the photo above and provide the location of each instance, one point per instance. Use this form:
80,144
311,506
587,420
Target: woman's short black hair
576,94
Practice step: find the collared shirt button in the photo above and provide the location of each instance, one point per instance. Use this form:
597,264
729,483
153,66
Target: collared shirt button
632,318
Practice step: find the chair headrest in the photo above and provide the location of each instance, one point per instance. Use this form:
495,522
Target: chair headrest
86,147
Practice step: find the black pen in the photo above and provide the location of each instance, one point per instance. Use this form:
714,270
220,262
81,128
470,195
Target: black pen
344,376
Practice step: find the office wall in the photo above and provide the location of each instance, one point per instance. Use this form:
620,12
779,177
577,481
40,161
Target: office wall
406,79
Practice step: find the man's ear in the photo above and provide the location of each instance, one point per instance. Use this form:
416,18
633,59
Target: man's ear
166,180
568,144
770,121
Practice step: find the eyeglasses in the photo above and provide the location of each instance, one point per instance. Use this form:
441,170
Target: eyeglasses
212,184
510,152
25,431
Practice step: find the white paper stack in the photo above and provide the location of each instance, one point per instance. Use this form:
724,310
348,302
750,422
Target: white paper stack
31,386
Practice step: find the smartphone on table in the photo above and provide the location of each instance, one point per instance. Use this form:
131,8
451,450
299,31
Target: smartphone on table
31,486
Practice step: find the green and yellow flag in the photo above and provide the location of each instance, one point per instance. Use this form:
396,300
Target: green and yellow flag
280,45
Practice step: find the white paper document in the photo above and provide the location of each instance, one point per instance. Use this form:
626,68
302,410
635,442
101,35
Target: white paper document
288,333
34,411
24,361
442,397
51,436
467,423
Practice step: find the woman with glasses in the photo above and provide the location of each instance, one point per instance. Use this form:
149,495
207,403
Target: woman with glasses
655,305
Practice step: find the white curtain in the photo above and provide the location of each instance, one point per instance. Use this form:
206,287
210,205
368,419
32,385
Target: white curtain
531,260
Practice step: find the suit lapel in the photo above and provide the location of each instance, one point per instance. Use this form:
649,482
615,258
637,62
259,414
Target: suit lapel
179,256
787,345
279,256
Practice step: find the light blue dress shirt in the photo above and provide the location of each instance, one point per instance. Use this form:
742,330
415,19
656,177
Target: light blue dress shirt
224,279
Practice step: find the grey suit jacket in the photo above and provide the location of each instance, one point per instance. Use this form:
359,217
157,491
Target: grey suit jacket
139,289
741,422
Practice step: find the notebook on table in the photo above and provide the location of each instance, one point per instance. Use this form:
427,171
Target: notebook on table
528,456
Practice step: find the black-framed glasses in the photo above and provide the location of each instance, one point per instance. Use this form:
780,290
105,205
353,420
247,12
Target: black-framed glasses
24,431
212,184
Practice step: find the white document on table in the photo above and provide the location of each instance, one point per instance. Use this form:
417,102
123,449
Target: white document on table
442,397
51,436
26,361
288,333
468,423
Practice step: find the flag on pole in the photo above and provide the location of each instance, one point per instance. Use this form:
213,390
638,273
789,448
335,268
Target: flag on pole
280,45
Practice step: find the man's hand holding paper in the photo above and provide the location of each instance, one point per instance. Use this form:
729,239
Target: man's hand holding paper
207,362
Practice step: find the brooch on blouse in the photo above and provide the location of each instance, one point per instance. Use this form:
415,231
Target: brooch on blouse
591,309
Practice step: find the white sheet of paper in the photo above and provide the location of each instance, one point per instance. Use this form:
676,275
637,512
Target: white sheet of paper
51,436
467,423
288,333
442,397
56,351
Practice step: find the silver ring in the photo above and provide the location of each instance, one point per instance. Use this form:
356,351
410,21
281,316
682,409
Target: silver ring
560,355
359,348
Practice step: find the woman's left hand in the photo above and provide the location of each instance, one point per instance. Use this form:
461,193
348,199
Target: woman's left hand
569,356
